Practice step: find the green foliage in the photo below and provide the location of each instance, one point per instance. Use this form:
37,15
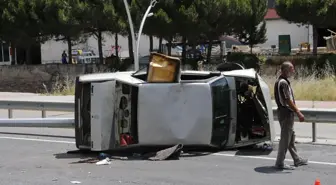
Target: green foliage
251,29
160,24
99,15
34,21
61,18
183,15
21,22
248,60
304,11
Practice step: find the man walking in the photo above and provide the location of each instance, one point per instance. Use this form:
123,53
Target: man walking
285,101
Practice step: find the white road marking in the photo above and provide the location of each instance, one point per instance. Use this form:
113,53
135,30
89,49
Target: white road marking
41,140
217,154
271,158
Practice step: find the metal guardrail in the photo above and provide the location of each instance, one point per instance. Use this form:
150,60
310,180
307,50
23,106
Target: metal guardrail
312,115
38,122
43,106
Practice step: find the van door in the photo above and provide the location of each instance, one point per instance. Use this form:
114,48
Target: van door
102,115
266,100
222,113
263,91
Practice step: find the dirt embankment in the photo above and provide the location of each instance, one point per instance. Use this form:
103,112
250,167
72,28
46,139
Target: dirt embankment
42,78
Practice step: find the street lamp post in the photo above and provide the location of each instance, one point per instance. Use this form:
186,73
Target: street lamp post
136,43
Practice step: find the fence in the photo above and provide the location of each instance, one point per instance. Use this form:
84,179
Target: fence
312,115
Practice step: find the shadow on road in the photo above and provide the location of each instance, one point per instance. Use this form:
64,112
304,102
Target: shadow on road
253,152
93,157
270,170
76,155
172,153
196,154
257,150
155,153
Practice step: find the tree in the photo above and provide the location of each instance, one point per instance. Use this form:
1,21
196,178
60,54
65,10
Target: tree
123,24
309,12
159,25
184,19
23,24
251,27
219,17
100,16
62,21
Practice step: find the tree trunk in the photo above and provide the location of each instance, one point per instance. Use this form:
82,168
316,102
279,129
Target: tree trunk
28,55
69,50
184,49
315,37
116,44
221,47
13,51
100,47
209,51
130,45
170,46
160,45
151,43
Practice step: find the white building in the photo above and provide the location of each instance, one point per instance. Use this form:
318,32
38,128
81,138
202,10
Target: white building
277,26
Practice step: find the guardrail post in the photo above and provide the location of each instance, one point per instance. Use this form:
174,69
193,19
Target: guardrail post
44,115
313,126
314,131
10,113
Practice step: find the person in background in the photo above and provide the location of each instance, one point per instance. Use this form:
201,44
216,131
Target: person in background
64,58
285,101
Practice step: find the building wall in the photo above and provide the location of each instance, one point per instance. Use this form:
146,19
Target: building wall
282,27
52,50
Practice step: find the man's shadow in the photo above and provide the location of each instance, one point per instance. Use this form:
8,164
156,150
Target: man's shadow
258,150
271,170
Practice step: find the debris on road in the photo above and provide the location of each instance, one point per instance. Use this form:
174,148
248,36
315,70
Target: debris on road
105,161
103,156
75,182
172,153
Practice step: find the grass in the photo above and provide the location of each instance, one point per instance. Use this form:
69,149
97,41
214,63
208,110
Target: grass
61,87
305,85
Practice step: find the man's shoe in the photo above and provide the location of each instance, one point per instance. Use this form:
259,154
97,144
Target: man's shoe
301,162
284,167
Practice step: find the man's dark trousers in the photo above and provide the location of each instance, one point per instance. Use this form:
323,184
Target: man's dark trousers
287,136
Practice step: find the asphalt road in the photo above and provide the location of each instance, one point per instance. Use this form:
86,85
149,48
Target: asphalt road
32,160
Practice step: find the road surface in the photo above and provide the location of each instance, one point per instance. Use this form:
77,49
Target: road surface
32,160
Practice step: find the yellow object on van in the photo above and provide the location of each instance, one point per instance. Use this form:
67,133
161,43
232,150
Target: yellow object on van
163,68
